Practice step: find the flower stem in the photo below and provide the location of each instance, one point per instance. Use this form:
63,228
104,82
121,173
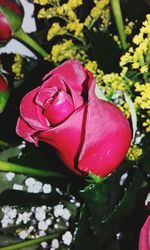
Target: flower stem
116,9
19,169
25,38
31,242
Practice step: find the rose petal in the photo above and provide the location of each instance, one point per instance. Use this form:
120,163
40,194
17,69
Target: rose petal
77,99
59,108
67,137
31,112
24,130
107,136
56,81
144,240
44,94
72,72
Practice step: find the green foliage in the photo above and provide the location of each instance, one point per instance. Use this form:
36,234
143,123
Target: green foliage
14,20
3,100
108,206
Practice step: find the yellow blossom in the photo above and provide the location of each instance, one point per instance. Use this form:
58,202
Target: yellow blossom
42,2
17,67
54,30
134,152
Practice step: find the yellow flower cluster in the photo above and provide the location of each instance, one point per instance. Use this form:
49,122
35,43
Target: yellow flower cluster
76,27
92,66
67,50
54,30
134,152
42,2
74,3
100,10
115,87
138,57
17,67
129,25
65,11
142,101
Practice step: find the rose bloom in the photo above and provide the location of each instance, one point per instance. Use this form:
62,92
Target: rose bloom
144,241
90,135
8,25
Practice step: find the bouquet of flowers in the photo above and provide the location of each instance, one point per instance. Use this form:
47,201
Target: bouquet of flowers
75,125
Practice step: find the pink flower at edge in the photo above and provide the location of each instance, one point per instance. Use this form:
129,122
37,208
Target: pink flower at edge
90,135
144,240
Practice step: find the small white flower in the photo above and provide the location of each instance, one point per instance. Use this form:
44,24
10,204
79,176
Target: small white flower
55,244
30,181
17,187
44,244
12,213
67,238
26,217
66,214
58,210
42,225
23,235
10,176
40,214
47,188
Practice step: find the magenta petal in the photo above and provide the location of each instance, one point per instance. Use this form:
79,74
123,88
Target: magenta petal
59,108
144,240
107,137
54,80
77,99
44,94
31,112
67,138
25,131
72,72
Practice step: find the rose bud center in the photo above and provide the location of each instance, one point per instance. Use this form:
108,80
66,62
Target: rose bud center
58,107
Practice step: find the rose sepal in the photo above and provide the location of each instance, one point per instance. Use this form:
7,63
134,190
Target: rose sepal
3,100
14,20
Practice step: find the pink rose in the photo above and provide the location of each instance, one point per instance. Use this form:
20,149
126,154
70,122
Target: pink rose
144,241
11,15
90,135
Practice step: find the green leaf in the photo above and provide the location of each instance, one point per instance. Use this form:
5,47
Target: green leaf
3,100
9,153
29,243
109,204
13,19
84,237
5,184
